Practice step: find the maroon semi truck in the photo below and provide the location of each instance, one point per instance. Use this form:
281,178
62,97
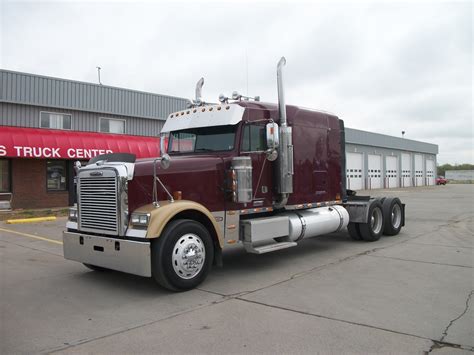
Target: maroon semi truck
242,171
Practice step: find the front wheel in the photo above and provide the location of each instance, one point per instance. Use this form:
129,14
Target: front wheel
182,256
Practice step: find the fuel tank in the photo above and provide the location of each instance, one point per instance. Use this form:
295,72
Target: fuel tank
316,221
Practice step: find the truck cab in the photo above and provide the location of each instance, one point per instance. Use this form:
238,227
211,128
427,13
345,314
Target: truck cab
260,174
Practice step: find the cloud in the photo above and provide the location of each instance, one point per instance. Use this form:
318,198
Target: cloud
382,67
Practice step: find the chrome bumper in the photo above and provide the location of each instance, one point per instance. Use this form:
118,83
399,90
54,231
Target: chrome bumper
117,254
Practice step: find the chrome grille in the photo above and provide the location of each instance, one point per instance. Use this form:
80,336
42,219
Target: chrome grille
98,209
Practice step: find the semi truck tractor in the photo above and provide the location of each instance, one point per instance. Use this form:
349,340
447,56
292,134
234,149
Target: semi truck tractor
262,175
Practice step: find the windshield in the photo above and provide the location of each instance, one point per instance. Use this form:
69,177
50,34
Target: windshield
204,139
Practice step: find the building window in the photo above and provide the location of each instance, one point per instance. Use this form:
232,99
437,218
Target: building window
5,175
56,175
55,120
112,125
254,138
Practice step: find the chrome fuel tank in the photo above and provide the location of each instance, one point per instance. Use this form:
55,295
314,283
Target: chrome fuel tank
316,221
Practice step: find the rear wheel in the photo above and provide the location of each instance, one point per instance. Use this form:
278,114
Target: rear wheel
354,232
373,229
392,211
182,255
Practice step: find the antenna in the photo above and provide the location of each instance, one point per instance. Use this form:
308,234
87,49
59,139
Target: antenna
247,70
98,73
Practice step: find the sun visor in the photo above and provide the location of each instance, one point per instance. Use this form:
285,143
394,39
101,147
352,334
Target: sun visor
205,116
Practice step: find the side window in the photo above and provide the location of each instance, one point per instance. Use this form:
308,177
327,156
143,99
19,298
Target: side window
253,138
56,175
5,175
55,120
110,125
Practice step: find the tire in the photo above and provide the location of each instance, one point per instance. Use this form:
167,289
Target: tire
373,229
182,238
95,268
392,213
354,231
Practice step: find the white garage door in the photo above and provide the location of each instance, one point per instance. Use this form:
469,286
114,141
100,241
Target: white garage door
354,171
406,170
374,172
430,169
391,172
418,170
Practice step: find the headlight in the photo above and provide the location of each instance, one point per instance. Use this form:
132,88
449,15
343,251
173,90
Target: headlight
140,219
73,214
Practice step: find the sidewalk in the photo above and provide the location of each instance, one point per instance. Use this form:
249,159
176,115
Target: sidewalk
33,213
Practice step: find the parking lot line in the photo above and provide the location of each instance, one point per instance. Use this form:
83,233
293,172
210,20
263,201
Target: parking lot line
31,236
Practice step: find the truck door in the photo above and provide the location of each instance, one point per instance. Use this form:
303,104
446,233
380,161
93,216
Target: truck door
254,145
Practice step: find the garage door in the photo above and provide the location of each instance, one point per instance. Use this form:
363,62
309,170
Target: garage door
374,172
406,170
391,172
430,172
418,170
354,171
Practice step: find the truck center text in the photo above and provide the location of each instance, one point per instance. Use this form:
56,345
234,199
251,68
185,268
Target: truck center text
49,152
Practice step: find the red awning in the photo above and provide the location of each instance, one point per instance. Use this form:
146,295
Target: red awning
19,142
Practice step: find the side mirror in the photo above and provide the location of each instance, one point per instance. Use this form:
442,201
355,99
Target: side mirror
273,138
165,161
165,158
163,145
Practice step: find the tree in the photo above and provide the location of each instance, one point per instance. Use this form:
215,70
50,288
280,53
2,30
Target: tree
442,168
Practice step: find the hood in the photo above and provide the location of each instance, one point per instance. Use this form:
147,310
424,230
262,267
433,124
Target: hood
200,178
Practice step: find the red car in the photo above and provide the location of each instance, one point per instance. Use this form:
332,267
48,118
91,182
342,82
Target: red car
441,180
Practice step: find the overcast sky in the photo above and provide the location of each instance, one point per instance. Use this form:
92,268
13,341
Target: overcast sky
383,67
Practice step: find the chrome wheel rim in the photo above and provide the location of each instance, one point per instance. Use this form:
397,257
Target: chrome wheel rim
189,256
376,220
396,216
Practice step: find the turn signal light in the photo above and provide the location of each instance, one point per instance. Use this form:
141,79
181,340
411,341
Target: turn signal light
177,195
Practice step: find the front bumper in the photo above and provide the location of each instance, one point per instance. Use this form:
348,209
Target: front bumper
117,254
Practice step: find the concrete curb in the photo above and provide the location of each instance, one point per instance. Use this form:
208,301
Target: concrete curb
30,220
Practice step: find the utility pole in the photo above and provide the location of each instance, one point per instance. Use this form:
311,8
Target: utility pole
98,73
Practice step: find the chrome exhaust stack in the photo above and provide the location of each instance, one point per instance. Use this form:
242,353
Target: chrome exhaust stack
281,92
284,175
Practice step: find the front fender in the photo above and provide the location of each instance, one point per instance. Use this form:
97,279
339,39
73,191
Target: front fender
160,216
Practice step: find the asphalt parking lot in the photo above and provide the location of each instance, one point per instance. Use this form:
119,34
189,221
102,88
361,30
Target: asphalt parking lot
412,293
